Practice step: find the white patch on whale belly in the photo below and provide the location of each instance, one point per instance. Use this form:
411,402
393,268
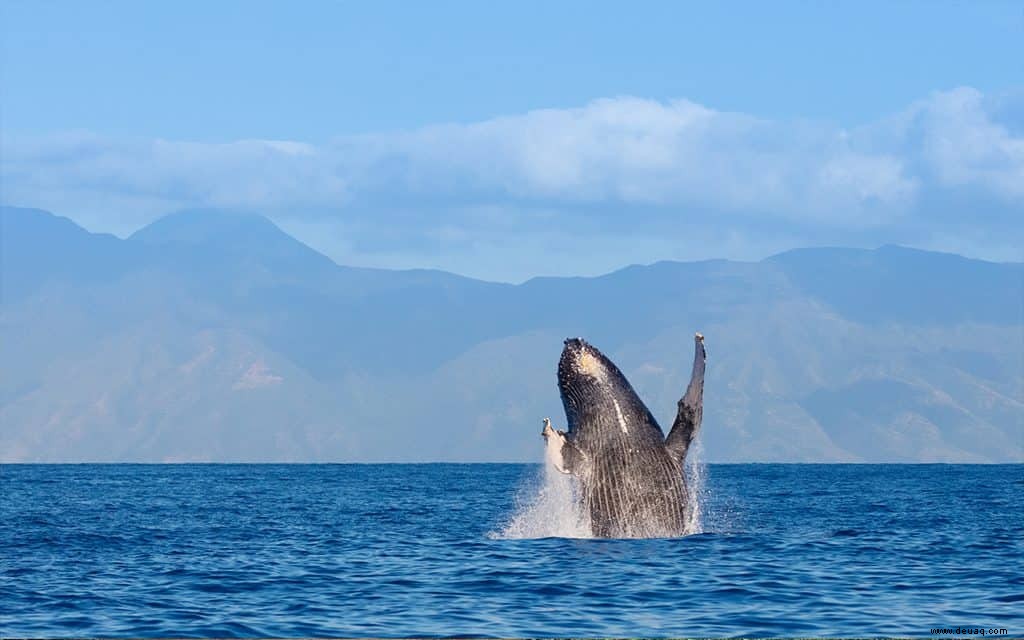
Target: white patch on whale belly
618,414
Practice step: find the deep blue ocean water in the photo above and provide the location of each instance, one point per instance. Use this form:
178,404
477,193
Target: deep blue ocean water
417,550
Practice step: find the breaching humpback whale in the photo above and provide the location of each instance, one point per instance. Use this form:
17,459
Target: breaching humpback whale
630,475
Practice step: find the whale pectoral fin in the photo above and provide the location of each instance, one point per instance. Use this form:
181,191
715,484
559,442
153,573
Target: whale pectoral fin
691,407
560,451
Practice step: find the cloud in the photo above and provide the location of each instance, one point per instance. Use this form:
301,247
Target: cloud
640,152
615,164
965,147
81,171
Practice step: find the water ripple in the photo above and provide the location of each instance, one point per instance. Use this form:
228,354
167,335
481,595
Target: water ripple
424,550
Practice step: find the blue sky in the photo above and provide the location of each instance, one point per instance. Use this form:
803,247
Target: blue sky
517,139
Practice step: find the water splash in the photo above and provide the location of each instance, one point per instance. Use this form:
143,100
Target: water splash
696,474
550,507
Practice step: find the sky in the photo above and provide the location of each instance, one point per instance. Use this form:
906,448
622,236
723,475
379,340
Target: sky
509,140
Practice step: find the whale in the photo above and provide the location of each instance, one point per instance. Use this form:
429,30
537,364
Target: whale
630,474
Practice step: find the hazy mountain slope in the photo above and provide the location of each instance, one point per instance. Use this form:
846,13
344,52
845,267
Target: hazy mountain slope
215,336
165,395
897,284
37,248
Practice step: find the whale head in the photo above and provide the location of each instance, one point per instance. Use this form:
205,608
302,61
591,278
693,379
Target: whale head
592,386
583,363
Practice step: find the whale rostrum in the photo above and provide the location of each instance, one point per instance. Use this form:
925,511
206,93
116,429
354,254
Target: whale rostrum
630,475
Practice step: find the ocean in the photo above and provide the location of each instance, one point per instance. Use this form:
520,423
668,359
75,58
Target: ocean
493,550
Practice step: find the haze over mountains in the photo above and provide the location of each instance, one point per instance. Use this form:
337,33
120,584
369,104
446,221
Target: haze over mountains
212,336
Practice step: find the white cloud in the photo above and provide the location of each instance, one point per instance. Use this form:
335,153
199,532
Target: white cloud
663,165
75,172
965,147
642,152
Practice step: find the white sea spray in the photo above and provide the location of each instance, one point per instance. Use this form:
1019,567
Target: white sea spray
696,474
549,507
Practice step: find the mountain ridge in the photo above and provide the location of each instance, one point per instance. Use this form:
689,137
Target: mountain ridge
145,233
339,363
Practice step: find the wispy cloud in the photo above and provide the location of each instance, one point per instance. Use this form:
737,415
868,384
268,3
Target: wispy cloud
657,168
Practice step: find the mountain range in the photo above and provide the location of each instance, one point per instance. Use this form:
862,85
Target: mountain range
214,336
